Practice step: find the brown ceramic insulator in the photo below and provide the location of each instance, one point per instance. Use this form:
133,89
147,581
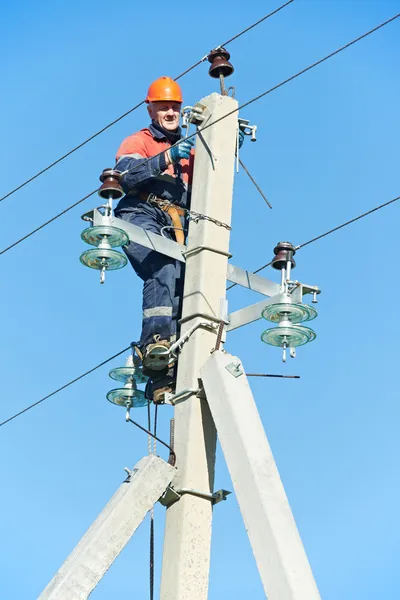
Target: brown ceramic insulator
284,252
220,64
111,186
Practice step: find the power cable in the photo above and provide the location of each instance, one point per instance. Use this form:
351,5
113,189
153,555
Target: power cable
284,82
172,455
131,110
322,235
238,35
64,386
369,212
318,62
257,270
47,222
299,73
311,241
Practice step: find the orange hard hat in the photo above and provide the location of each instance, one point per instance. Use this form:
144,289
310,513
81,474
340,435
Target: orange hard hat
166,89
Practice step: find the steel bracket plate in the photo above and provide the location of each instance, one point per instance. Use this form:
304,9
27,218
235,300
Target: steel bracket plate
170,248
252,281
173,399
169,497
235,369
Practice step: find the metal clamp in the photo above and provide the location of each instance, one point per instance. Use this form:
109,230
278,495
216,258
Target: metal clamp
297,290
130,473
173,399
235,368
88,216
244,125
171,495
196,249
177,346
193,114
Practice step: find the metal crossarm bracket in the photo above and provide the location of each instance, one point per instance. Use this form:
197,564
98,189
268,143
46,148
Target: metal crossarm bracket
171,495
252,281
252,313
170,248
249,313
139,235
301,289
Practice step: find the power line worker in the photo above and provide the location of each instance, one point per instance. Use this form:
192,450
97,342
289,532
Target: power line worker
156,192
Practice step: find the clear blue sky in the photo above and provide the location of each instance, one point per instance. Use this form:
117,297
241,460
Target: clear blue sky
327,151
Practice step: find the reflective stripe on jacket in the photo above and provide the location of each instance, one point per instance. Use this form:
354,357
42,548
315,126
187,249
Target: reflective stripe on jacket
172,182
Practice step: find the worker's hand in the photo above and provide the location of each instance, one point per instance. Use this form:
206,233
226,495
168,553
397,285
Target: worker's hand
241,138
181,150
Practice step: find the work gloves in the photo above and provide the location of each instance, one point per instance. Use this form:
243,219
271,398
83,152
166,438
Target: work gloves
181,150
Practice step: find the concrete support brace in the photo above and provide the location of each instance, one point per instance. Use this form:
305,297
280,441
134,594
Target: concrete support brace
278,549
111,531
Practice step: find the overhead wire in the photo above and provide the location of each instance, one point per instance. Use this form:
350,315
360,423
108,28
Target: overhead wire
43,225
131,110
369,212
346,223
326,233
63,387
313,65
303,245
248,103
238,35
172,455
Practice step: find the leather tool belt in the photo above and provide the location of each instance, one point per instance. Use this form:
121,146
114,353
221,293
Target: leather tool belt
174,211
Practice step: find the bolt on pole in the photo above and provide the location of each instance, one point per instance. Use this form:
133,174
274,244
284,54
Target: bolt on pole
186,562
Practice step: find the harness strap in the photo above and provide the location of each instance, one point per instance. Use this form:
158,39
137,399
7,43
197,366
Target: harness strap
174,211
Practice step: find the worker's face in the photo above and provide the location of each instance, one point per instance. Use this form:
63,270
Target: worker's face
165,114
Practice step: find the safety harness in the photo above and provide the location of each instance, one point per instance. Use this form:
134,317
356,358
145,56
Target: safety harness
174,211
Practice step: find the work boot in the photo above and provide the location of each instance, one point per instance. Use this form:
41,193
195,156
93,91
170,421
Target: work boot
158,395
156,357
161,384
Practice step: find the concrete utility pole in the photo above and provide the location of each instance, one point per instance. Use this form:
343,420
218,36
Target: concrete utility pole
272,531
186,561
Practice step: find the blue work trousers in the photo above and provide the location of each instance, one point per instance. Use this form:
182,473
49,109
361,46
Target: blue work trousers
162,276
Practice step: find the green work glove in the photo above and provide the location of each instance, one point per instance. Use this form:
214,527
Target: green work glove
181,150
